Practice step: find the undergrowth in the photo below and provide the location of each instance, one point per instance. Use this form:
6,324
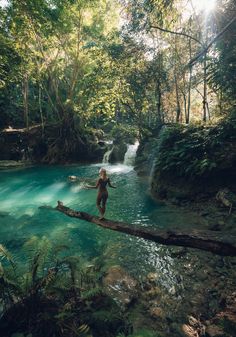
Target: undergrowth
55,294
197,150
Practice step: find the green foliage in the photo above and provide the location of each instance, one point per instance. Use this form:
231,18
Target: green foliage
70,63
125,133
197,151
57,48
5,254
66,294
143,12
222,72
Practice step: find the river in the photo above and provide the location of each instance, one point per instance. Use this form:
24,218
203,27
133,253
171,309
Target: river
186,277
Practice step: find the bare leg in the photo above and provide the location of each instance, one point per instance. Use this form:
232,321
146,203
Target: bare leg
103,208
102,198
101,211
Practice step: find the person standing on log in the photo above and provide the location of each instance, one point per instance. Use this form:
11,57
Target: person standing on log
102,196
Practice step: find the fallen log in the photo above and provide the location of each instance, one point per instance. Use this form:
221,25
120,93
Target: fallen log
216,243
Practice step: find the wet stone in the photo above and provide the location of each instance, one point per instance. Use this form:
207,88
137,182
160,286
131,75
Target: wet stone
152,277
153,293
120,286
156,312
189,331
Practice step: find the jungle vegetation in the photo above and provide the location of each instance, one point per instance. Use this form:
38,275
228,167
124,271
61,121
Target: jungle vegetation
125,67
87,64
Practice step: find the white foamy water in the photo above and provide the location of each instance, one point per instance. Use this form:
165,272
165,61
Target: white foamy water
131,154
107,156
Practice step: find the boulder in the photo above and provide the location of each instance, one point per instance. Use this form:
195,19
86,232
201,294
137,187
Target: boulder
118,153
189,331
120,286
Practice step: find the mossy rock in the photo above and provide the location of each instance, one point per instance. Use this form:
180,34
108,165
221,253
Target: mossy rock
118,153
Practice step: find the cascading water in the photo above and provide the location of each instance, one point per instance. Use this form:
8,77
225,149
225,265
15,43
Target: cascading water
131,154
107,156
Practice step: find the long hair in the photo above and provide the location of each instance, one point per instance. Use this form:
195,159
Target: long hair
101,171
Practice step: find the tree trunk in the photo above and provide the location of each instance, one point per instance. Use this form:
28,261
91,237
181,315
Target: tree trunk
40,109
158,101
178,107
189,96
189,84
205,88
204,240
26,101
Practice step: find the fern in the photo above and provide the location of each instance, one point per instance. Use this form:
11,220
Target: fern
84,329
66,281
91,293
5,254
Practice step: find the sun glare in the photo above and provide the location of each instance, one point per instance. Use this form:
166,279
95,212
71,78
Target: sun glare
3,3
204,5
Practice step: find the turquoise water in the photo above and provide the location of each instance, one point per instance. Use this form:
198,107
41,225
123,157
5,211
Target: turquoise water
24,193
185,280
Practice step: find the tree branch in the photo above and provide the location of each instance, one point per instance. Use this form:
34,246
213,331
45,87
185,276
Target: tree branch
176,33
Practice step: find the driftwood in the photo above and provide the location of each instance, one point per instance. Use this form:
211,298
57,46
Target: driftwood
204,240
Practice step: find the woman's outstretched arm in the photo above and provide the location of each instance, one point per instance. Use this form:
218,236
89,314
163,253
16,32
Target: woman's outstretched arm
91,186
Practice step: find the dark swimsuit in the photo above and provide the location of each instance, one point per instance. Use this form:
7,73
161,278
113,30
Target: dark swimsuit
102,193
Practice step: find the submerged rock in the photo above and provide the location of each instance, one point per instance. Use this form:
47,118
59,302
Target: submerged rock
152,277
120,286
156,312
154,292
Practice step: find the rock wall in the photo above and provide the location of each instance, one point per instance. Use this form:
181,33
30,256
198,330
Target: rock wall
118,152
184,163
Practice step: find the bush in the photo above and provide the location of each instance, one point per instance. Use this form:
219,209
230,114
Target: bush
124,133
197,151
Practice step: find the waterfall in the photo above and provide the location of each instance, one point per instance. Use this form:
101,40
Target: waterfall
131,154
107,156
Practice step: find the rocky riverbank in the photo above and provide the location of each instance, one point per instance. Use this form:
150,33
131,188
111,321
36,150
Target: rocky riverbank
191,167
200,303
